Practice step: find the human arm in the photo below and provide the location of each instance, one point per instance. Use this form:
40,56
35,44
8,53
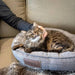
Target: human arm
16,22
10,18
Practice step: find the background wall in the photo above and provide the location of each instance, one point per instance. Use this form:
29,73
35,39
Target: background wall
52,13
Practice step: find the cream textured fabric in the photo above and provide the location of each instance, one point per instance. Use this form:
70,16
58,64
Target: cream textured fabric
51,13
6,30
6,56
17,7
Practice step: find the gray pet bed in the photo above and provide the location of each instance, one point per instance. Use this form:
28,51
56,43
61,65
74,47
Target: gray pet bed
48,60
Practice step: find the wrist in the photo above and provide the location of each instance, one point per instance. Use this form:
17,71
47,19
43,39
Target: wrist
23,25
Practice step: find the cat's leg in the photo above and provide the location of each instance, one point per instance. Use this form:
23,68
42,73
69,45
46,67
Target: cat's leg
17,46
53,47
57,47
68,47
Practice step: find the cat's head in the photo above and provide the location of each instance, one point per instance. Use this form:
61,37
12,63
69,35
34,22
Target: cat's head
35,34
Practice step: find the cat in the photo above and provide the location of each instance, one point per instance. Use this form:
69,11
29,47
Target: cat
32,40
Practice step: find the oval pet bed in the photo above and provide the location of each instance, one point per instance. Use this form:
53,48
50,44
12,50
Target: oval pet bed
48,60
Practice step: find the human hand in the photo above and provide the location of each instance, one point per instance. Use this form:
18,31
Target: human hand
44,31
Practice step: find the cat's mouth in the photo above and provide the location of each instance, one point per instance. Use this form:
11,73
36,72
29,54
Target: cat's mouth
36,39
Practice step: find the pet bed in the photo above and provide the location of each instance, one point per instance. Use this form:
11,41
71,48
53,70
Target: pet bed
48,60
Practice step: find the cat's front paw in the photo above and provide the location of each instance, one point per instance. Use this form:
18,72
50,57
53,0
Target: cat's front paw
16,46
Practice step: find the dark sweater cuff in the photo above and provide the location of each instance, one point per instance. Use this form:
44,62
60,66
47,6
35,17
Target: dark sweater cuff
23,25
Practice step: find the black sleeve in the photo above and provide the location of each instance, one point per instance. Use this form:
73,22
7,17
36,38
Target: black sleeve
10,18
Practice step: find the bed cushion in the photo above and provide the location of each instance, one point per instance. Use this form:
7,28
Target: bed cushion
47,60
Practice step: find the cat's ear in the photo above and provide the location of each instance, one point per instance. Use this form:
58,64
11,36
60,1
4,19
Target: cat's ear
35,24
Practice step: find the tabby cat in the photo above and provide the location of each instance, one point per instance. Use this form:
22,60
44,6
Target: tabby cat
32,40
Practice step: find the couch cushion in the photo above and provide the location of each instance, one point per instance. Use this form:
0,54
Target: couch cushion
17,7
6,56
6,30
51,13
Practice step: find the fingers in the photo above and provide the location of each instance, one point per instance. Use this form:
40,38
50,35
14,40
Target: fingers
41,28
44,34
44,31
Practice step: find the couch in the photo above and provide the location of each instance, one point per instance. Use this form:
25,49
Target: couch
48,13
